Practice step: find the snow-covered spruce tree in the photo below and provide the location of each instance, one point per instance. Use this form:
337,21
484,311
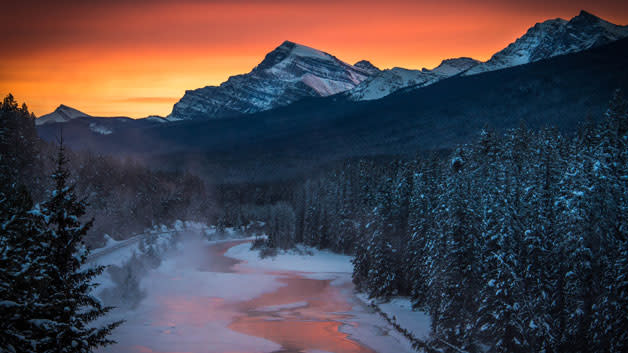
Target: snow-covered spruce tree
417,260
579,221
420,257
67,306
311,219
281,225
19,144
361,264
345,237
457,276
24,271
385,272
498,317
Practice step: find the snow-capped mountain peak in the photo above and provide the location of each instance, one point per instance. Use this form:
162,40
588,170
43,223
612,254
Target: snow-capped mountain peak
554,37
289,49
62,114
288,73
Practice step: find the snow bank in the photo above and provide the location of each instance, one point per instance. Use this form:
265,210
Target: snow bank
294,260
364,326
400,311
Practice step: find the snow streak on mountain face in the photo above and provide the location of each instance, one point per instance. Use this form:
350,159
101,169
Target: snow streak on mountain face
287,74
552,38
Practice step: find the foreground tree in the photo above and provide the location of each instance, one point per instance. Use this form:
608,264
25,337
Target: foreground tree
45,301
23,265
68,308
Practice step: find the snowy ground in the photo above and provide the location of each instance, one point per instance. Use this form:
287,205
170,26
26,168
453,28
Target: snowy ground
400,310
302,259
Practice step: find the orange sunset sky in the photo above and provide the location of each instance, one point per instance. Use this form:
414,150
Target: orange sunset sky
137,57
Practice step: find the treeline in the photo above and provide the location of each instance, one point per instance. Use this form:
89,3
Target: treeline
124,196
515,243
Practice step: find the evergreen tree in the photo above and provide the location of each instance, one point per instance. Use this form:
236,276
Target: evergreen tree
24,272
457,275
69,308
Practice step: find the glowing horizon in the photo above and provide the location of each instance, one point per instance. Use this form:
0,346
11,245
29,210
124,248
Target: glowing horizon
137,58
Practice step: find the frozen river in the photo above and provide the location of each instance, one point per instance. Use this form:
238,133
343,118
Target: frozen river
202,300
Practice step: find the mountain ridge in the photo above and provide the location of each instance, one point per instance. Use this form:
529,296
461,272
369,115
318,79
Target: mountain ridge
552,38
294,139
293,71
286,74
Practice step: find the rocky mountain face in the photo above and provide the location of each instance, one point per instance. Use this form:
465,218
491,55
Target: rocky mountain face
554,37
366,65
287,74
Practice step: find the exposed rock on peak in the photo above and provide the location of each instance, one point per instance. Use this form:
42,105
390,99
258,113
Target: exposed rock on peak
366,65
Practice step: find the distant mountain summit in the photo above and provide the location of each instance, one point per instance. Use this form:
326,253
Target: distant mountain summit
289,73
62,114
554,37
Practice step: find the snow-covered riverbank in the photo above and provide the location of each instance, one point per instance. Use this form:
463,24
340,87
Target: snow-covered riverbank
220,296
323,264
